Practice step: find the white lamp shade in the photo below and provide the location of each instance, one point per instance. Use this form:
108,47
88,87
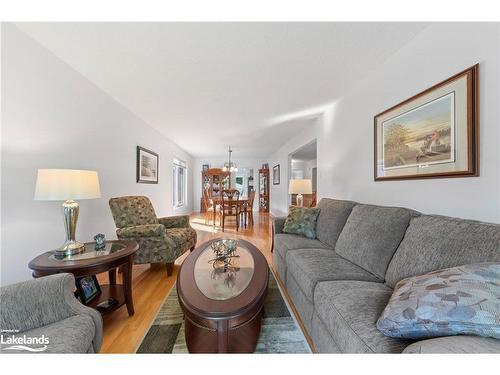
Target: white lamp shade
65,184
300,187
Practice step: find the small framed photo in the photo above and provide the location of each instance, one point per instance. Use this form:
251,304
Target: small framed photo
205,167
276,175
88,288
147,166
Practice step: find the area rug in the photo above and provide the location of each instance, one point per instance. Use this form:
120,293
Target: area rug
280,332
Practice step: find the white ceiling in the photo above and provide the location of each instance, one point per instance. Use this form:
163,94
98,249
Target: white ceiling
208,85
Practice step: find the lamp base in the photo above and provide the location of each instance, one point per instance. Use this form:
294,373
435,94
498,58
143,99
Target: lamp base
300,200
70,247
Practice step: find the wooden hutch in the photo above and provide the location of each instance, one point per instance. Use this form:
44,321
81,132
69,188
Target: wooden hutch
264,190
214,180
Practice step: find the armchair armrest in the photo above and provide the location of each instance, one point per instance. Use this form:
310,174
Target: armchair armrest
181,221
39,302
278,224
146,230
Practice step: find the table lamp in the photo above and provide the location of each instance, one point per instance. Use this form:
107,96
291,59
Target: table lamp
66,185
300,187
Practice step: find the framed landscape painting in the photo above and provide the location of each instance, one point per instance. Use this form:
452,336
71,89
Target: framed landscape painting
433,134
147,166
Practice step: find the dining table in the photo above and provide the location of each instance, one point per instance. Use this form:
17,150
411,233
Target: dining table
217,200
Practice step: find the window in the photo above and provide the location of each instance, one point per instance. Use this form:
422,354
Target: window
180,183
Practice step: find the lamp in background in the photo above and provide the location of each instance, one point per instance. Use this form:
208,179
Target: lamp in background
300,187
67,185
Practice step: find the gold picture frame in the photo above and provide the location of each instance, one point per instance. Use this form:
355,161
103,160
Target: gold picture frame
434,134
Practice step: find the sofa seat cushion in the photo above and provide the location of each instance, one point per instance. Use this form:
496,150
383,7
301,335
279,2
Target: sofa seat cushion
371,236
284,242
455,345
332,217
71,335
350,309
435,242
310,266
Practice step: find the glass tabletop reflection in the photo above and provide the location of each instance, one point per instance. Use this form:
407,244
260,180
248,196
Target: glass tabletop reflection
219,282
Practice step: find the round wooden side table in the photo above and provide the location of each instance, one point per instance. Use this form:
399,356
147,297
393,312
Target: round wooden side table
91,262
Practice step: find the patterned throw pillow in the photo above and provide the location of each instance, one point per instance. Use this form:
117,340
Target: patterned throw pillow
462,300
302,221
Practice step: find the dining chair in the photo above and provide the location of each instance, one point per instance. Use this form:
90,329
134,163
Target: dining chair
230,206
246,211
211,208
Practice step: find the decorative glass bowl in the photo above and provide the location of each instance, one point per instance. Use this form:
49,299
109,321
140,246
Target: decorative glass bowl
223,251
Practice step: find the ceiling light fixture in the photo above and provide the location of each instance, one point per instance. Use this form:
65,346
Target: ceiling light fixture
230,166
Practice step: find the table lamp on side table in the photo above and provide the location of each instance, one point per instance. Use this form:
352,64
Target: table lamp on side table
66,185
300,187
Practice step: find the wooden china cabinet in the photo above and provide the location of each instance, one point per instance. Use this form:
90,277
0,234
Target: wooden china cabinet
214,180
264,190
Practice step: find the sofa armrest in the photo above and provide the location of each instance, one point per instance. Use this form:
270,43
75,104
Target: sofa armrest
46,300
146,230
455,344
278,224
181,221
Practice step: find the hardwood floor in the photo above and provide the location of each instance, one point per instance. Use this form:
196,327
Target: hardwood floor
150,284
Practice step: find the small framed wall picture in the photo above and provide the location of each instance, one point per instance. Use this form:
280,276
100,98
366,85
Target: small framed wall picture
147,166
205,167
88,288
434,134
276,175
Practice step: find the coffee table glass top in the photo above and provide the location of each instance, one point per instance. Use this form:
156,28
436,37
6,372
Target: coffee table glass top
222,283
91,252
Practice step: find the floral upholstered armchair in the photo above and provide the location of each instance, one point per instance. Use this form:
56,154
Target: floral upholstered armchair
161,240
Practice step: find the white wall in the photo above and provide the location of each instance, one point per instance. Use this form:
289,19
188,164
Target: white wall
345,136
52,117
345,132
219,163
279,193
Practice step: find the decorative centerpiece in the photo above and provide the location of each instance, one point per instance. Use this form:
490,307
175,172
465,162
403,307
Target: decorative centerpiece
224,251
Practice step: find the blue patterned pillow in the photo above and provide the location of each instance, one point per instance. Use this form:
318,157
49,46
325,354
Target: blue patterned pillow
461,300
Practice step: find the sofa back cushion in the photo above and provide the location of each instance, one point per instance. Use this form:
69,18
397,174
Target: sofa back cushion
332,218
434,242
132,210
371,235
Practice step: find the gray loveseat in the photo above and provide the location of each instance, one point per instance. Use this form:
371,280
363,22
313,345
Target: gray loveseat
47,307
341,282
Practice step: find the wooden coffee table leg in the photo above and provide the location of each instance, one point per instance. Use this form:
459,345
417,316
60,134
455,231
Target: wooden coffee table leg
127,286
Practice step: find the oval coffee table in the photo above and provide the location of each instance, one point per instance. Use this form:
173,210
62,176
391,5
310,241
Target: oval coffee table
223,309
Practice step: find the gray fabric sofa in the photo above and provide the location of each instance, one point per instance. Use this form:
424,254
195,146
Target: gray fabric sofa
341,282
47,307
